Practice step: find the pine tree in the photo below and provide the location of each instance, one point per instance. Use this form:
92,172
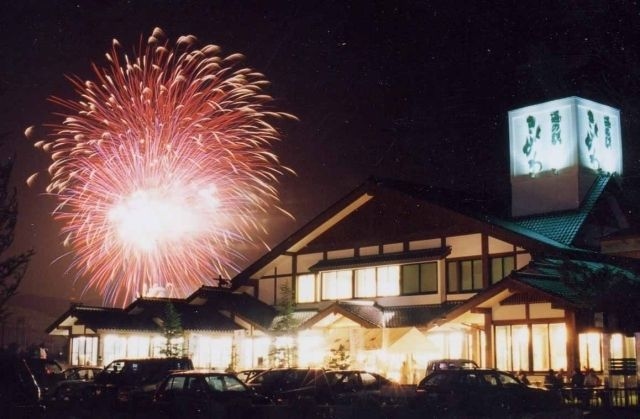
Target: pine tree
172,330
339,358
286,322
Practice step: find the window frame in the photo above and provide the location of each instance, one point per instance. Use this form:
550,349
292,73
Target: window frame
336,295
420,278
537,343
502,258
358,286
299,288
461,279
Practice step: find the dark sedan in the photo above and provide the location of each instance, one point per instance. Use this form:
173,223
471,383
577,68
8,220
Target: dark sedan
482,392
207,394
351,386
287,385
246,375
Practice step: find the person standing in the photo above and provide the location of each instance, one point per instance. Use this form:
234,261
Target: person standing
591,379
577,386
522,376
43,354
551,380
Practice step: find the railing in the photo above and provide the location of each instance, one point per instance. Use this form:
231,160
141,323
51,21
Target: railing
622,366
601,397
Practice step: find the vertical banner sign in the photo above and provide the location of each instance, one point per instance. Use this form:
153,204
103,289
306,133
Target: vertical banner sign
560,134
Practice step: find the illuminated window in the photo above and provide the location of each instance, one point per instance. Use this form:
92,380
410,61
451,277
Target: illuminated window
464,275
622,346
114,347
512,347
388,280
590,350
366,283
138,347
211,352
337,285
501,267
420,278
546,342
158,346
549,345
84,350
306,288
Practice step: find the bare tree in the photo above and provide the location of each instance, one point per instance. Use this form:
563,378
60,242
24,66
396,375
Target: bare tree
12,268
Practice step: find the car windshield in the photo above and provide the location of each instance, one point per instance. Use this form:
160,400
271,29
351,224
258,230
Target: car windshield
285,378
436,380
116,367
224,383
333,377
469,378
507,380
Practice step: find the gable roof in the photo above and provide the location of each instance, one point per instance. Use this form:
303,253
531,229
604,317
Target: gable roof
372,315
209,308
238,304
485,211
92,317
546,275
145,316
542,277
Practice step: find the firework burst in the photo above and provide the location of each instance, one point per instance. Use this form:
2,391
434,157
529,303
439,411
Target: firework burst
162,166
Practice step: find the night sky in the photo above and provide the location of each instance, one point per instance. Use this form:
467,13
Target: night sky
415,90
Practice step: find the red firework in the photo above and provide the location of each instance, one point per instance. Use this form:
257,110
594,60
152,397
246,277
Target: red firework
161,167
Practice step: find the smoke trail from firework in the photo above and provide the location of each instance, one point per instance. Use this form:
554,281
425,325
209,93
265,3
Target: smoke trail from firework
161,167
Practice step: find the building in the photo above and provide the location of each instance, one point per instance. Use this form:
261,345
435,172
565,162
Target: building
395,274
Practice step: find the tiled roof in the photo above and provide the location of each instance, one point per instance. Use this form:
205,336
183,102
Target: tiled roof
241,304
547,275
298,317
564,226
143,315
557,231
391,316
370,313
98,317
407,316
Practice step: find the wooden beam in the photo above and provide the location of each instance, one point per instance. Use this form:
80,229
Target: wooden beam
481,310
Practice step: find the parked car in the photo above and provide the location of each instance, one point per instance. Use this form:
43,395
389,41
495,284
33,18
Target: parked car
247,375
448,364
81,373
286,385
130,382
20,394
74,389
47,372
471,392
353,386
205,394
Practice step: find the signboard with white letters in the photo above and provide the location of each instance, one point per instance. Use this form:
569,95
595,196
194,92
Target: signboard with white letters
563,133
557,149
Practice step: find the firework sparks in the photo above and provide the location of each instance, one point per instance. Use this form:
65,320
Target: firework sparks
162,166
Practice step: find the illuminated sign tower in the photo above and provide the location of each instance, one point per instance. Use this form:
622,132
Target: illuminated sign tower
557,149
